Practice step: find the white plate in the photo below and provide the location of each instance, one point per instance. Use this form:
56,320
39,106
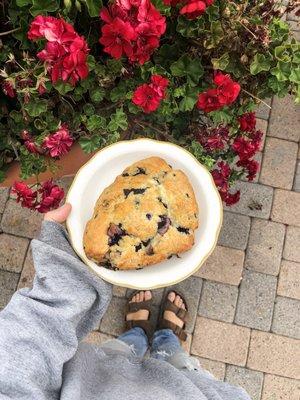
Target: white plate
101,170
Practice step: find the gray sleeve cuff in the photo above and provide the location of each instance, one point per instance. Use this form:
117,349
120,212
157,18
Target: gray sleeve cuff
56,235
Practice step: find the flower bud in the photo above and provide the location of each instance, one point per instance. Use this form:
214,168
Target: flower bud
78,5
68,4
244,59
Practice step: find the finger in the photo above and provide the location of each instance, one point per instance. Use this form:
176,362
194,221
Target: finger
60,214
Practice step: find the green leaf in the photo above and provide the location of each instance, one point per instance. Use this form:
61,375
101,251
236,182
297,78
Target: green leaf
213,13
189,100
223,116
297,98
43,6
187,28
279,30
221,62
198,151
216,35
89,109
192,69
282,53
166,54
31,164
36,107
97,94
22,3
260,63
93,7
132,108
63,87
95,122
91,62
114,67
118,121
295,75
282,71
162,7
16,116
90,144
118,92
279,88
2,175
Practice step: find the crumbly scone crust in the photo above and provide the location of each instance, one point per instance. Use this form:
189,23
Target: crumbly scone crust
147,215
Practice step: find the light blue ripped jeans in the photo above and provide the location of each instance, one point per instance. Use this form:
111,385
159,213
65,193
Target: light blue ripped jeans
165,346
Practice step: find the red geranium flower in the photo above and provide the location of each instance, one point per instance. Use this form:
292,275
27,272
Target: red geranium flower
8,89
193,9
252,166
247,122
245,148
132,28
65,53
146,97
51,196
59,143
209,101
221,177
117,37
149,96
159,84
25,195
226,93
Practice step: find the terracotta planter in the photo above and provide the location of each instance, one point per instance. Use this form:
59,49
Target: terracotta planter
68,165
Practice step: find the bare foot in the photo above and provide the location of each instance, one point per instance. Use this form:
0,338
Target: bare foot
141,314
169,315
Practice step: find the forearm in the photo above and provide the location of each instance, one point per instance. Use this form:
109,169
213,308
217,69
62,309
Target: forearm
40,328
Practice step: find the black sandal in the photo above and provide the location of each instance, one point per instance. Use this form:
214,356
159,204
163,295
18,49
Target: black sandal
179,312
133,307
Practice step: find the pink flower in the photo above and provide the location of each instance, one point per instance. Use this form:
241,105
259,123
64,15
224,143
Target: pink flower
25,195
58,143
51,196
32,147
65,53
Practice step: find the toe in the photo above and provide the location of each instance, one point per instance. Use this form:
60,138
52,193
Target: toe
138,297
148,295
177,300
180,303
132,299
171,296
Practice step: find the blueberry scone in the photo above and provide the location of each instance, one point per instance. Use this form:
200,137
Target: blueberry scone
147,215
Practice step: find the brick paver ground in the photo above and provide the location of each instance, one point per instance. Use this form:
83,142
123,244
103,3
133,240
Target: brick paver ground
244,302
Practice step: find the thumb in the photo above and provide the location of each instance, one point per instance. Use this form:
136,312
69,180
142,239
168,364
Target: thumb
60,214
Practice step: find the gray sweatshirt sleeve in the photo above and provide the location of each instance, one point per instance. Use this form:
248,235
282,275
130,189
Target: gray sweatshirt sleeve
40,328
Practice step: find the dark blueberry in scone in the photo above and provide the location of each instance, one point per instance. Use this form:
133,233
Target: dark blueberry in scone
148,216
115,233
134,191
163,225
183,230
140,171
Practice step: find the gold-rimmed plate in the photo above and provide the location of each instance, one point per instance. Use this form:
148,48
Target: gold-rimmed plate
101,170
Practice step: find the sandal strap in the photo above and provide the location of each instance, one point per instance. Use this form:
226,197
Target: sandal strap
179,312
143,305
144,324
165,324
